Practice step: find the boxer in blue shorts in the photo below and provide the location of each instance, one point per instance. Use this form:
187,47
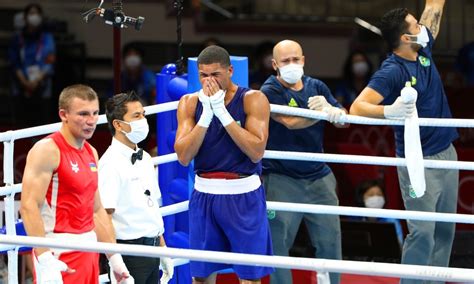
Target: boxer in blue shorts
224,128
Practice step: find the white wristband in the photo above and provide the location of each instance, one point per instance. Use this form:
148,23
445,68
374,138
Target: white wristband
205,119
117,264
225,118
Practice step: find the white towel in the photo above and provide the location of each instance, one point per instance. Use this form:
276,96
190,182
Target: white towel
413,152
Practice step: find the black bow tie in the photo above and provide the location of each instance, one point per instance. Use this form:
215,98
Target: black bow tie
137,156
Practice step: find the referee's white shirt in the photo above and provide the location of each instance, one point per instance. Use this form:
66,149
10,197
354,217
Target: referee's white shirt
123,187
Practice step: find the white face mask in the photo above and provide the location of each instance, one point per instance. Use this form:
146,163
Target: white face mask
34,20
133,61
139,130
291,73
360,68
422,38
375,201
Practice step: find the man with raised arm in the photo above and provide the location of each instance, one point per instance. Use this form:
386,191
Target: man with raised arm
411,42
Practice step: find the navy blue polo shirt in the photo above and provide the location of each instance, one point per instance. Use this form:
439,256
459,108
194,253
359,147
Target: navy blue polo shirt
431,103
309,139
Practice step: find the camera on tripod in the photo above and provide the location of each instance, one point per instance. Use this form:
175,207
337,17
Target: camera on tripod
114,17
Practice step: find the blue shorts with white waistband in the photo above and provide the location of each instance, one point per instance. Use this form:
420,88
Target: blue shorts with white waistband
230,223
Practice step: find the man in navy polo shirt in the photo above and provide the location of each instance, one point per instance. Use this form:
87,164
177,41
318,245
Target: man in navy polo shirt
299,181
428,243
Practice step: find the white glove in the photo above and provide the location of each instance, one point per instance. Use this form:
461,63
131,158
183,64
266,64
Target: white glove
207,114
49,269
409,94
167,267
318,103
219,109
335,114
321,104
119,268
399,109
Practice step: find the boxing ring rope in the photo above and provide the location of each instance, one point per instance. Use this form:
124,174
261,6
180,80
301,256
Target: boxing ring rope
10,188
320,265
433,122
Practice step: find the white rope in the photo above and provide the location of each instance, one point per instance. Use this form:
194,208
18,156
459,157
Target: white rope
370,212
438,122
50,128
174,208
163,159
10,189
316,157
346,210
323,265
433,122
342,158
364,160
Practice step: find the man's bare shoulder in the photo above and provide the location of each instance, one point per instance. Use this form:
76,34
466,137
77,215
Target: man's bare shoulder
190,97
256,95
188,101
45,152
46,146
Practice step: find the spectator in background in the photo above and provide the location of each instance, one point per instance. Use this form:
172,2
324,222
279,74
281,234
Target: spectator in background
370,194
263,67
135,75
31,56
465,63
356,75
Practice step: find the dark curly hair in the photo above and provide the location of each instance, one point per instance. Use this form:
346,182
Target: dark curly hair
393,25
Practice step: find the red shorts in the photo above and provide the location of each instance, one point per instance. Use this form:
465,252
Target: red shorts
86,265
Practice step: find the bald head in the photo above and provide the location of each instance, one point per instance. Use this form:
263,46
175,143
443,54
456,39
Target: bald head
285,47
287,52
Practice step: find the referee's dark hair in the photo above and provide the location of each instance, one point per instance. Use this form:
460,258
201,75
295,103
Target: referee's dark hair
115,107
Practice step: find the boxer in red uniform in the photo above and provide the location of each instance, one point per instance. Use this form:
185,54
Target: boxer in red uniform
60,198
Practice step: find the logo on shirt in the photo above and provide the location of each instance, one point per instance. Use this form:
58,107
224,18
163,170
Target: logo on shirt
424,61
271,214
292,103
238,123
93,167
74,167
413,80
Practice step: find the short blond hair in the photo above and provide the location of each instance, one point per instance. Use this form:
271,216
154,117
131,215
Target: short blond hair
80,91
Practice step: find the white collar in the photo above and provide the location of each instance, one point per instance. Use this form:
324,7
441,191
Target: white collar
122,148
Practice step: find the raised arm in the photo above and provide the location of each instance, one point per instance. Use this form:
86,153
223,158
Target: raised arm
189,135
431,17
41,162
252,139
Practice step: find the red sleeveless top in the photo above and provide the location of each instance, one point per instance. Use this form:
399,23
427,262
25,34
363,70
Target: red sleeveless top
69,204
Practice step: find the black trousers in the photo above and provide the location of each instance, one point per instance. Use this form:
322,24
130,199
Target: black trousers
145,270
